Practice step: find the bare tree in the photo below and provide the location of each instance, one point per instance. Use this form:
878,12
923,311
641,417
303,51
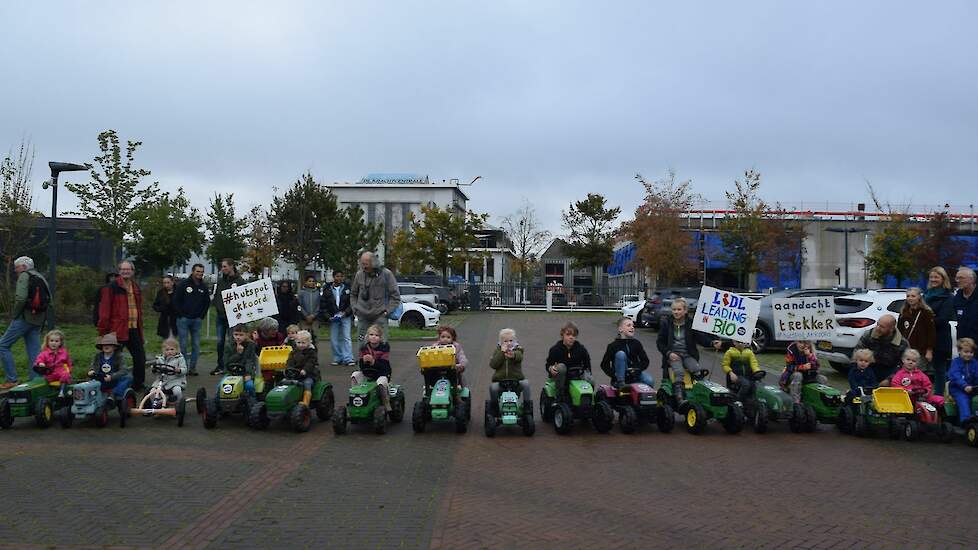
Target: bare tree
528,239
16,209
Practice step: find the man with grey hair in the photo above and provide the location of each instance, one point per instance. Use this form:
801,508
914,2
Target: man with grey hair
965,304
27,318
373,295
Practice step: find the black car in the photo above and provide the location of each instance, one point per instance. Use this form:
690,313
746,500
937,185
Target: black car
659,303
447,300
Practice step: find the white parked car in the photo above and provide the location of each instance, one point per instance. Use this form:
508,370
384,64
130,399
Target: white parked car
632,310
627,299
417,316
856,315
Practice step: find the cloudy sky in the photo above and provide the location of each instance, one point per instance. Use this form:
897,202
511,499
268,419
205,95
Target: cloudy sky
544,100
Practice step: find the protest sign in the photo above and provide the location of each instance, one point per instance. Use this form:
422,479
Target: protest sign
810,318
722,313
249,302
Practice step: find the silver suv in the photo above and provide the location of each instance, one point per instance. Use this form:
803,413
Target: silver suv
418,293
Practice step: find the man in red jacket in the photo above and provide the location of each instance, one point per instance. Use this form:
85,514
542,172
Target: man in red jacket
121,311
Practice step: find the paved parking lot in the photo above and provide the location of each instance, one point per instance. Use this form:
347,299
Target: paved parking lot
153,485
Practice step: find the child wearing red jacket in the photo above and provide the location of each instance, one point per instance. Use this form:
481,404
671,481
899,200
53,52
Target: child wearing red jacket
914,380
53,362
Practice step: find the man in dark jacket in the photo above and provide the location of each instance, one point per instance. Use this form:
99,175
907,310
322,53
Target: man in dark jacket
626,352
887,346
334,307
966,303
190,301
565,355
121,312
229,278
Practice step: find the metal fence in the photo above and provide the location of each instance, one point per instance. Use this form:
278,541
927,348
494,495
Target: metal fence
492,295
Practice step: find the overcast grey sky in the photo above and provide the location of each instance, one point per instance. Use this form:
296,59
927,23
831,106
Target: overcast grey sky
544,100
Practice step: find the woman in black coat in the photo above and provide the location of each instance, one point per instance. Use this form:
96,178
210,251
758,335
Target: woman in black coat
288,306
939,297
163,304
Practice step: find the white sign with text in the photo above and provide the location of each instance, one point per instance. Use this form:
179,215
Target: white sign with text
249,302
810,318
726,314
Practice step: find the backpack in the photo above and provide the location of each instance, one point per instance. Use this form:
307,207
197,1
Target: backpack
38,294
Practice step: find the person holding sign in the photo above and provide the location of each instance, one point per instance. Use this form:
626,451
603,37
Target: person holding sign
801,367
677,342
739,363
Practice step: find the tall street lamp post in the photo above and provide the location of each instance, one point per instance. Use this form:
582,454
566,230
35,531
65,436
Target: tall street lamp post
56,169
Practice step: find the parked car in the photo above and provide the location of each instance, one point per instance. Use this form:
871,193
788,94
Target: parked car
632,310
417,315
856,315
764,331
447,300
590,299
627,299
418,293
660,303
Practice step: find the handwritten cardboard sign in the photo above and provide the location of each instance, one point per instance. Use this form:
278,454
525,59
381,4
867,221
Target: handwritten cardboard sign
726,314
810,318
249,302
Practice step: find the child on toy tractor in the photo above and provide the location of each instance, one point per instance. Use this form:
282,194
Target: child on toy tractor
740,365
172,369
54,362
914,380
507,364
963,378
625,354
862,378
109,367
801,367
448,337
303,364
568,358
677,343
375,363
241,356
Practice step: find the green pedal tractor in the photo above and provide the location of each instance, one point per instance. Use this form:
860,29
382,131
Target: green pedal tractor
444,400
885,408
509,410
772,404
285,401
366,405
577,403
231,397
822,400
970,425
704,401
36,397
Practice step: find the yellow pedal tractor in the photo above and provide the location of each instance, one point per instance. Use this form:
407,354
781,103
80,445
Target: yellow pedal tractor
885,407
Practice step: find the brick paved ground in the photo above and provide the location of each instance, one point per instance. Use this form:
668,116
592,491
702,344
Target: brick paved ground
154,485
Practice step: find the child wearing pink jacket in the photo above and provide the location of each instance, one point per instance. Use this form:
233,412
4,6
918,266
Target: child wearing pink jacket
914,380
53,362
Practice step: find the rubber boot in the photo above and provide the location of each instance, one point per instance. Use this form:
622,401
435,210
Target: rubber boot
306,397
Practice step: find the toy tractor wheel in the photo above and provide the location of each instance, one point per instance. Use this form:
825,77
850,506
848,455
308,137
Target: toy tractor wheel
529,426
325,405
462,418
489,425
339,421
971,434
130,399
811,419
211,412
796,418
627,420
43,412
300,418
201,400
602,416
734,422
181,411
695,419
124,413
665,418
846,421
419,415
6,419
65,418
945,432
546,407
563,418
860,426
258,416
894,428
397,408
380,420
102,416
911,430
759,422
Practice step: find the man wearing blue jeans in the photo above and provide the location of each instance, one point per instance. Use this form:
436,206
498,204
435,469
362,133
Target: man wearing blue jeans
228,279
190,301
25,322
334,307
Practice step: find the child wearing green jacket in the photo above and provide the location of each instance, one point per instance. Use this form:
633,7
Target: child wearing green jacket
507,362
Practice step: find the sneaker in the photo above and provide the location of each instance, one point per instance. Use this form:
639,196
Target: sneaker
335,364
351,363
8,385
216,372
